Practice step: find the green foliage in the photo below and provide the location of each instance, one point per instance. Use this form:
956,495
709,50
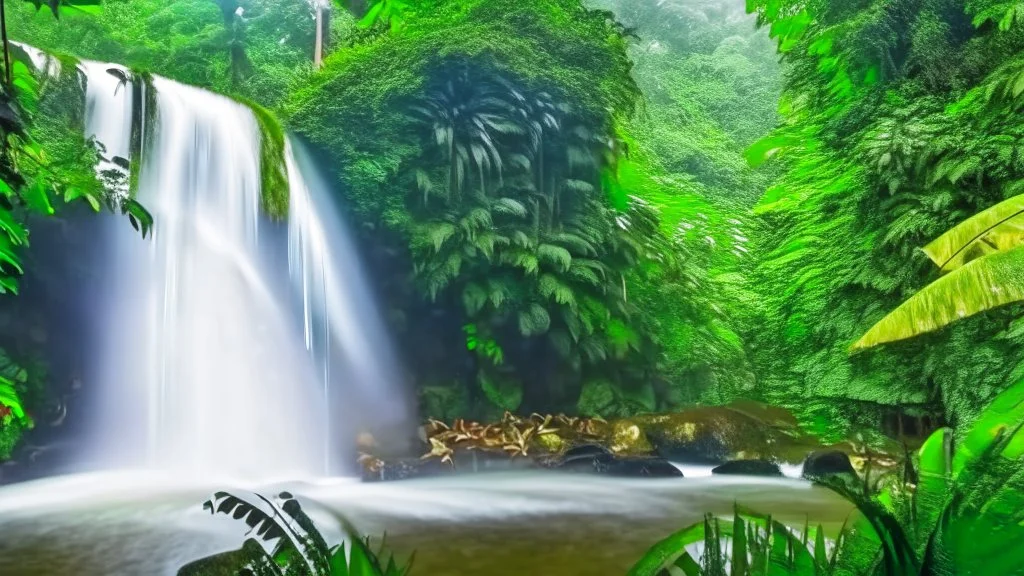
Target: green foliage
961,516
751,543
273,172
965,509
711,85
298,546
481,167
389,13
15,387
897,124
259,54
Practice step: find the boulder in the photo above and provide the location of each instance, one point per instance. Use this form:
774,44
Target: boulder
628,437
826,463
596,459
708,436
640,467
748,468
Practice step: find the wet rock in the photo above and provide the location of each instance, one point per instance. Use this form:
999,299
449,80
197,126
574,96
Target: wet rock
596,459
708,436
627,437
748,468
826,463
633,467
406,470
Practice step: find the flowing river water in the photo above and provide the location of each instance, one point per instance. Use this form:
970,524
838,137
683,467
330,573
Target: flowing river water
140,524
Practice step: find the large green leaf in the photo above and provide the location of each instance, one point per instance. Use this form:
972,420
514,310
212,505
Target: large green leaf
997,229
1005,414
935,480
980,285
669,550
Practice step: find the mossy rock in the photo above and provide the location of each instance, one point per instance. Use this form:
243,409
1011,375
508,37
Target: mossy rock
628,437
709,435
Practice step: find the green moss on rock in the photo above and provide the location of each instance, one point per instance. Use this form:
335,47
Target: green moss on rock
273,171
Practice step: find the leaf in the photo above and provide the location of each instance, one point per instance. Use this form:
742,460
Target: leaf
509,207
553,289
980,285
1005,413
372,15
504,393
761,151
14,230
9,398
534,320
555,255
474,297
300,537
36,195
739,546
935,471
666,552
996,229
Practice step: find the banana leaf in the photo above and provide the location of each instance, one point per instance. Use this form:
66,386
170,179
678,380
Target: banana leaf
982,284
997,229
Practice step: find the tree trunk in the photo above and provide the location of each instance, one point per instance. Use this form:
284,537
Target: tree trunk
318,51
7,45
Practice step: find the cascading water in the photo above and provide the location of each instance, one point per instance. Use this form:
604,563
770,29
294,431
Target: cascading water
205,369
335,297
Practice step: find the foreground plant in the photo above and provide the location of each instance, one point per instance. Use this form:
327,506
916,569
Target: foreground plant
750,544
963,516
298,548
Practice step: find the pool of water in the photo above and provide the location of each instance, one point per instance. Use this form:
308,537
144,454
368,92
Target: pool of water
137,523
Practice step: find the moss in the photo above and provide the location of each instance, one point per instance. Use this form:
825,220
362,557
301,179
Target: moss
628,438
144,119
273,171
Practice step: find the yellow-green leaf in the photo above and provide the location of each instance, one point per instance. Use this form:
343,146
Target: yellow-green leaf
996,229
982,284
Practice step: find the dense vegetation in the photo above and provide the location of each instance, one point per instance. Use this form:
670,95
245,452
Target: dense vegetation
607,209
899,120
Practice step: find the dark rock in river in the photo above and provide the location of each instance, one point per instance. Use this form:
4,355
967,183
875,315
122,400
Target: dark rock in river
748,468
640,467
407,469
596,459
826,463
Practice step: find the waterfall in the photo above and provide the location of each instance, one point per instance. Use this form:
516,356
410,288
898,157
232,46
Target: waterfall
230,344
335,297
